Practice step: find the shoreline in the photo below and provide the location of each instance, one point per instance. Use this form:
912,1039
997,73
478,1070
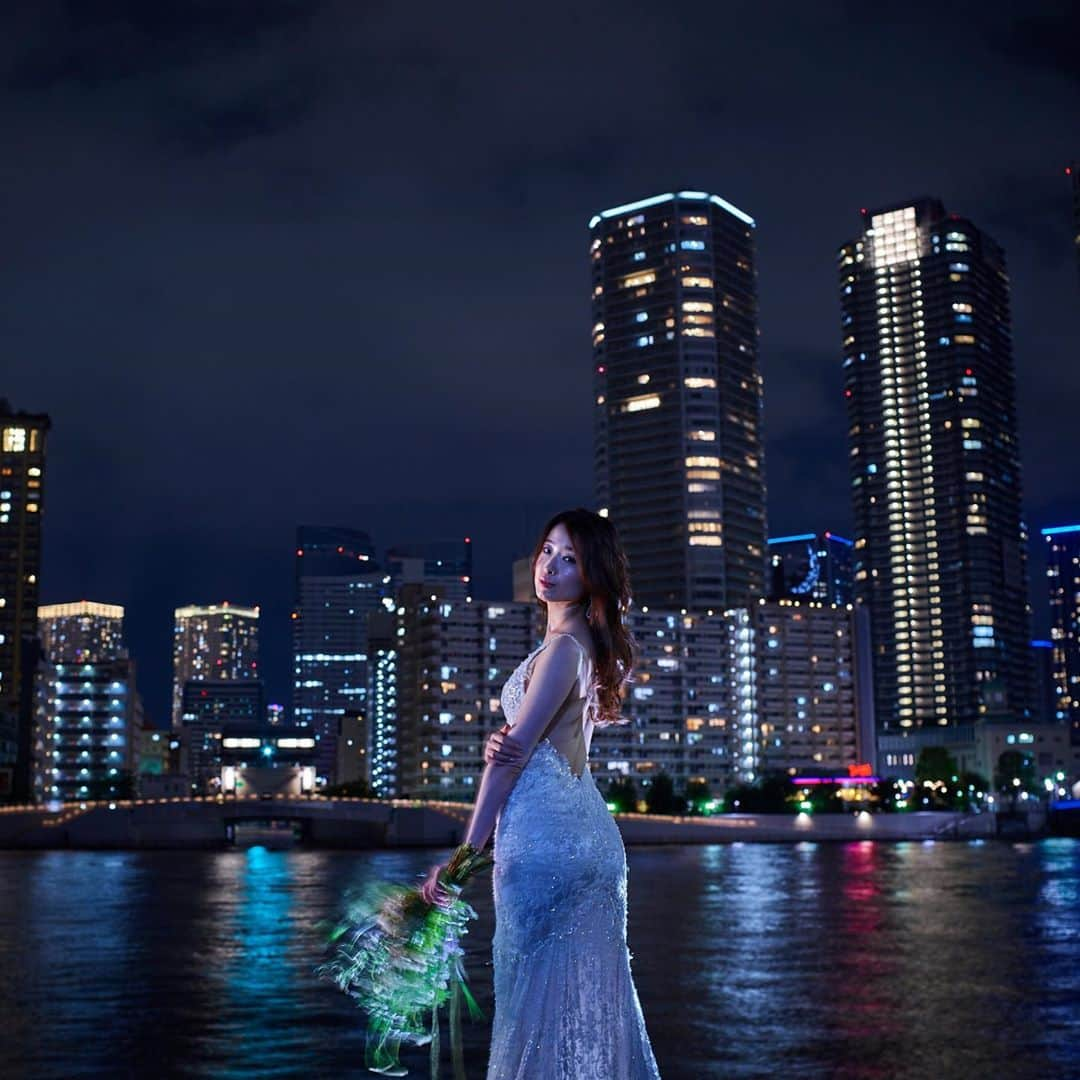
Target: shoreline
366,824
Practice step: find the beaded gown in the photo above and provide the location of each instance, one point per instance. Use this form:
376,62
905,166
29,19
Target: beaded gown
566,1007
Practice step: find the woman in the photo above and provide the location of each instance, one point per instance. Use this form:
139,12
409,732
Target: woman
565,1001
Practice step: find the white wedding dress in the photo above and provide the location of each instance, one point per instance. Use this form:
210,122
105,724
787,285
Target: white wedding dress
565,1003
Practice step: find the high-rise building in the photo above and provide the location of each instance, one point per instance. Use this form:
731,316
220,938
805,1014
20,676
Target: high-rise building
218,642
447,564
211,710
940,550
811,566
1063,584
1046,705
678,706
22,483
338,586
453,661
678,398
82,631
814,711
89,716
382,726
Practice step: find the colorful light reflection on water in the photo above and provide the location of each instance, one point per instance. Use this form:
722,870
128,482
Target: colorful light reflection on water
811,960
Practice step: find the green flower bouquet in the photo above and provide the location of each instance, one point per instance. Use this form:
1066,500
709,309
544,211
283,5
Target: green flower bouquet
401,959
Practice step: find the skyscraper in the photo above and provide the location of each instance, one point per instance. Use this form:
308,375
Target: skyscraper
218,642
940,549
22,480
810,566
338,585
89,716
678,441
1063,584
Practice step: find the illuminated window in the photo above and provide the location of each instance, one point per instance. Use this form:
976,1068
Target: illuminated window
647,277
701,436
705,462
641,403
14,440
692,245
694,383
697,305
697,283
696,331
964,339
706,541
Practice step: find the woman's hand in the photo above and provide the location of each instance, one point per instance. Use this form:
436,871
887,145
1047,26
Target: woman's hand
432,889
503,748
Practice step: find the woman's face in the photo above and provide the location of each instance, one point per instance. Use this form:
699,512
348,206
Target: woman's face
557,575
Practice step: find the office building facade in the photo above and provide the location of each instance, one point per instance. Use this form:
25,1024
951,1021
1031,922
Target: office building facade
678,398
939,555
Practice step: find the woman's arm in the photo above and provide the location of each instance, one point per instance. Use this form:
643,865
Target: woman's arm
553,678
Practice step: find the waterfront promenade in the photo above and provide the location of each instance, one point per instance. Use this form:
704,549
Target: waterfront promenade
212,823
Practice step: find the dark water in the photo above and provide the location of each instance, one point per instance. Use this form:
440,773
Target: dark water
854,960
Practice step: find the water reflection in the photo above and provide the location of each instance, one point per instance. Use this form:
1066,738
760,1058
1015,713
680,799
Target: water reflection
811,960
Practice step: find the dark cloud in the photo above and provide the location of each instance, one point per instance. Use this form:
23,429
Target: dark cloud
279,262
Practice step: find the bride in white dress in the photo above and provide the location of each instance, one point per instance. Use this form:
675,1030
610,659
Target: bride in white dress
565,1003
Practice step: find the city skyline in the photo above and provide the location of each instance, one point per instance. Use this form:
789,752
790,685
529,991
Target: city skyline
182,269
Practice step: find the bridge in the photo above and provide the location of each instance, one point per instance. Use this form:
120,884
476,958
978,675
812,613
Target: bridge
212,822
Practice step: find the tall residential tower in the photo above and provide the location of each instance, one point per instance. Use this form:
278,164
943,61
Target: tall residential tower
1063,583
678,441
338,586
22,480
940,549
218,642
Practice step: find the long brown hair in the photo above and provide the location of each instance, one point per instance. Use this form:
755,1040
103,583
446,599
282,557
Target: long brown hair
606,576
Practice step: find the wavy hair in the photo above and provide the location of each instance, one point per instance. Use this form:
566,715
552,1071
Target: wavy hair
606,576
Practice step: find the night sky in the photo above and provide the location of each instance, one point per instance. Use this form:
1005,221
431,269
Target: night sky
281,262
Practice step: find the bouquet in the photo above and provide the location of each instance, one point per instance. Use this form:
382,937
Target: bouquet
401,958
